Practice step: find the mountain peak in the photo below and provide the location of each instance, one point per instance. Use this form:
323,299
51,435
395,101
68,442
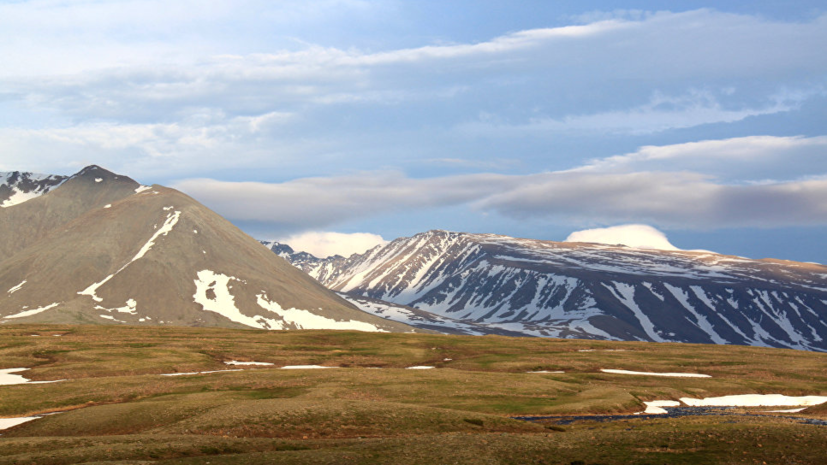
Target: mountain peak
93,170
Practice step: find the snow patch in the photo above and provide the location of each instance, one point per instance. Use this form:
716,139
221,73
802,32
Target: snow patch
655,407
17,288
702,322
304,367
108,205
140,189
19,197
169,223
198,373
625,293
223,301
6,423
32,312
234,362
545,371
419,367
755,400
98,179
9,379
645,373
131,308
303,319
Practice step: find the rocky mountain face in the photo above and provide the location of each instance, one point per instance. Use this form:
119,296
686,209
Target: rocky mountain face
103,249
545,288
17,187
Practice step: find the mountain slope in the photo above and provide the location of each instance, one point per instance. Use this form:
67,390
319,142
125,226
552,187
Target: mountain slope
17,187
113,251
555,289
27,223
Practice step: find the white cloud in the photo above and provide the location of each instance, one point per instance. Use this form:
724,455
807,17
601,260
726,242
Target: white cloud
324,243
206,139
631,235
319,202
678,200
741,158
676,50
661,113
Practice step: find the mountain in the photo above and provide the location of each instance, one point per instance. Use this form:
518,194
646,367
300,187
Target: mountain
554,289
17,187
101,248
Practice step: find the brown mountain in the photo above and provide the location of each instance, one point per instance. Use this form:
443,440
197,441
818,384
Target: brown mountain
101,248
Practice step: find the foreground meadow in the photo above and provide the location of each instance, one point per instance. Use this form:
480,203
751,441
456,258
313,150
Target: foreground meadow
117,404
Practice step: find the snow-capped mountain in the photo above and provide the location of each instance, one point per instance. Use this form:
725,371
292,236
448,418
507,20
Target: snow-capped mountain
103,249
17,187
546,288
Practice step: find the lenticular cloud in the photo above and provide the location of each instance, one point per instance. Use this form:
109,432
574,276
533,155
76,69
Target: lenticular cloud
640,236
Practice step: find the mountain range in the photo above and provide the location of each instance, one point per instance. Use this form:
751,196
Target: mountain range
486,283
100,248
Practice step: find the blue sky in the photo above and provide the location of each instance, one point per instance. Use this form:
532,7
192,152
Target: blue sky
705,120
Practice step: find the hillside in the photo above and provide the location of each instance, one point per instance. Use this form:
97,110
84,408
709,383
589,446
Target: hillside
554,289
103,249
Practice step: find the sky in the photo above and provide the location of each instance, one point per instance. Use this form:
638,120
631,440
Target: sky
338,124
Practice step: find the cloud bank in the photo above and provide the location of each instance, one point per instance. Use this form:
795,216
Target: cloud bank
596,193
324,244
639,236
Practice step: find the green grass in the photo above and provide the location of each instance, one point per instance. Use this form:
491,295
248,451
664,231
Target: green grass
118,409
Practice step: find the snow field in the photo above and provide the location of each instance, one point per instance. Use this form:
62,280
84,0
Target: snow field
8,378
305,367
743,400
198,372
6,423
655,407
234,362
644,373
755,400
33,311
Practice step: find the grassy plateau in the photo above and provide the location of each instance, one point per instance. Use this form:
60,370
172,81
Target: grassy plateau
115,407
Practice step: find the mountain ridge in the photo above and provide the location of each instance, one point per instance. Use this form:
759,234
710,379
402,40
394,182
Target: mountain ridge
18,186
554,289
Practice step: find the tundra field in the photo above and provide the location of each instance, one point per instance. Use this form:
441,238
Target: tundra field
116,406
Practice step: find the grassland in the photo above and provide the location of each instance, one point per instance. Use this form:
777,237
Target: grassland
117,408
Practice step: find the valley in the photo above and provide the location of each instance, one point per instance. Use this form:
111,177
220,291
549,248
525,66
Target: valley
116,407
